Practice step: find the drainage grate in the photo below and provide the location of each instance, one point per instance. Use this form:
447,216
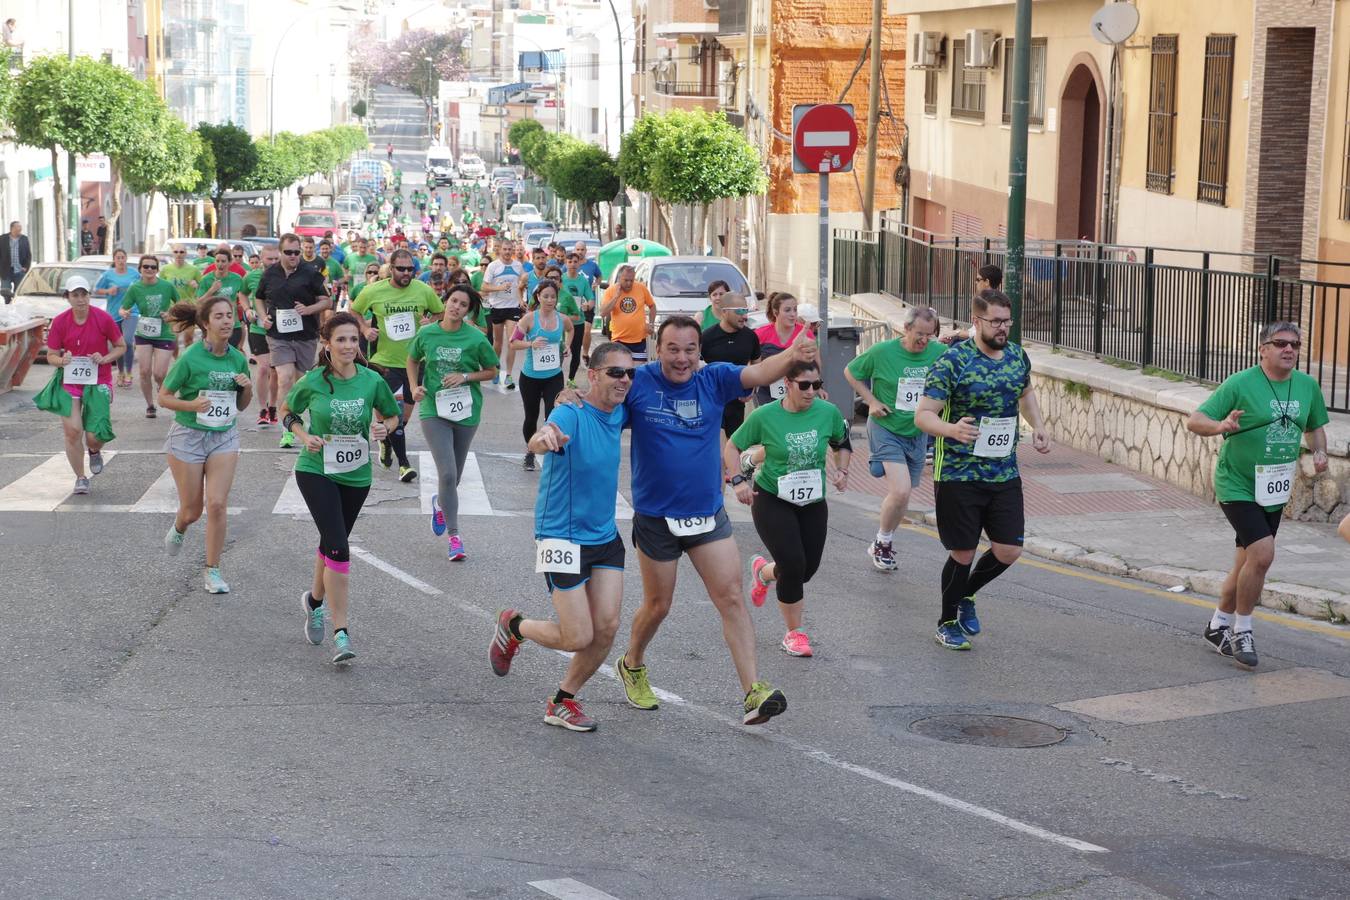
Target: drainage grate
989,731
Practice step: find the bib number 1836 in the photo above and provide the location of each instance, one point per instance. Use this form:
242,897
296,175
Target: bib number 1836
558,556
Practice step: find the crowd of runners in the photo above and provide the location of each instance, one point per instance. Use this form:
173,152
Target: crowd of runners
341,342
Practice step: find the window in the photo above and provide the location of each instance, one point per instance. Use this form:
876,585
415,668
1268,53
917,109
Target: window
967,86
1214,119
930,78
595,120
1036,94
1162,115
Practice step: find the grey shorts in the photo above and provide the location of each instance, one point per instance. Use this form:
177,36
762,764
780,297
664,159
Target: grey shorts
300,354
884,445
652,536
194,445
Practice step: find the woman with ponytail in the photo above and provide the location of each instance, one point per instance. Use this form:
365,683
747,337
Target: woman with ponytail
348,405
205,389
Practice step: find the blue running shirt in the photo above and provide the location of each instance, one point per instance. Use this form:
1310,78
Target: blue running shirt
972,384
579,485
676,453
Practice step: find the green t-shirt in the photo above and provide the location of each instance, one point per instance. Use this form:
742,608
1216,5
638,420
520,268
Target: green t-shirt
1270,432
356,265
469,258
793,441
340,406
331,268
579,288
180,277
231,289
385,300
251,290
708,318
197,370
885,364
151,301
442,352
201,262
476,281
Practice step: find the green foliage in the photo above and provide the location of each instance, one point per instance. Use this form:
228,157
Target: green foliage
1078,389
702,159
165,161
359,109
584,173
280,164
534,149
516,134
234,153
83,105
641,147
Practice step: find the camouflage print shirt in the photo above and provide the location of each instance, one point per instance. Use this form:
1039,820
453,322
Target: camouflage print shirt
969,383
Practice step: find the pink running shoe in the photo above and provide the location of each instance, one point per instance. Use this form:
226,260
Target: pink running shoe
568,714
795,643
457,553
758,589
504,647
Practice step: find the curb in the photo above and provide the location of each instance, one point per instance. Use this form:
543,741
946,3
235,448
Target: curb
1300,599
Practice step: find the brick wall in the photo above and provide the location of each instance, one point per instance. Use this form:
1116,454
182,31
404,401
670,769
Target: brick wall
1283,157
815,48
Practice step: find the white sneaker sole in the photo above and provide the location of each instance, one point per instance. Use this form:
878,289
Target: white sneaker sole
563,723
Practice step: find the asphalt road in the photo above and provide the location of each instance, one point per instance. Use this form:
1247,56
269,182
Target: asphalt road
157,741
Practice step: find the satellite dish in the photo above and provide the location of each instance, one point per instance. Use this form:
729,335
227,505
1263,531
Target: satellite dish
1115,23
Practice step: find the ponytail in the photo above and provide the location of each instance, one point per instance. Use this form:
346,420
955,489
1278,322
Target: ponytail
184,314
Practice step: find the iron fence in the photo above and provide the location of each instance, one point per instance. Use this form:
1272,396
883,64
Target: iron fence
1187,313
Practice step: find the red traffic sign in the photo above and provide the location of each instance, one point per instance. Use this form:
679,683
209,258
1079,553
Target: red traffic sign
823,133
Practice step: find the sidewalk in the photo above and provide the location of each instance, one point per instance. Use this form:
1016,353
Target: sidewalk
1084,511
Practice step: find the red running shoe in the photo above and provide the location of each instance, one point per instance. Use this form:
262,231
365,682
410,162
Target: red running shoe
568,714
504,647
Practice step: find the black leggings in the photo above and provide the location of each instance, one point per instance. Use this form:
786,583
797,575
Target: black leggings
578,338
334,508
397,379
795,538
532,390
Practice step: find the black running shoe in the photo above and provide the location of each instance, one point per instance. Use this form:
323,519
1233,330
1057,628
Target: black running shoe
1242,647
1220,638
529,462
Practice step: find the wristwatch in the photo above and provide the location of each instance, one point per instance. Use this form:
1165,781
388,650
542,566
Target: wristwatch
737,479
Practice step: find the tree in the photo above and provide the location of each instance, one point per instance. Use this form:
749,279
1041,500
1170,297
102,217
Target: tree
235,157
359,109
516,134
637,161
83,106
703,159
403,61
166,163
280,164
585,174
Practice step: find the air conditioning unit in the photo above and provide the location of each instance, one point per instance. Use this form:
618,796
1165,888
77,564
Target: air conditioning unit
980,48
926,52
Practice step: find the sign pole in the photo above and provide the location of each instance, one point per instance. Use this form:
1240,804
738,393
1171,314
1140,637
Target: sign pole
822,333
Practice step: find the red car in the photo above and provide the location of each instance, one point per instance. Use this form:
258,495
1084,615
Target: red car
317,222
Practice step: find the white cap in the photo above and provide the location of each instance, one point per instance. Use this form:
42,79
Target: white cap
807,313
76,283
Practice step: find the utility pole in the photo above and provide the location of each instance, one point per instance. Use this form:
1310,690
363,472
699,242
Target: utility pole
72,234
1017,166
873,116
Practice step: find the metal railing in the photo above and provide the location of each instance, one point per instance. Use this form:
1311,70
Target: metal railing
684,88
1195,314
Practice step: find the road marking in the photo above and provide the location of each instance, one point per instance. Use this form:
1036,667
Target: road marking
567,889
1309,625
160,497
1209,698
473,496
804,749
290,502
45,487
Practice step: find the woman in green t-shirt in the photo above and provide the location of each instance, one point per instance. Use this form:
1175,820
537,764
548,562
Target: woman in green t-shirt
223,283
789,439
152,298
205,389
454,358
889,377
348,405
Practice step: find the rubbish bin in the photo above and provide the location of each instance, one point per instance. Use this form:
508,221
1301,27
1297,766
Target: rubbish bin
841,345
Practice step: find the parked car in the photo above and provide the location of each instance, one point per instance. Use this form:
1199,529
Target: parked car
540,239
569,240
503,175
529,229
471,166
368,197
351,210
679,284
520,213
40,292
165,251
316,222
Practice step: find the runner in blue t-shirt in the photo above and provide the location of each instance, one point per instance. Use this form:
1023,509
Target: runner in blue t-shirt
675,412
577,541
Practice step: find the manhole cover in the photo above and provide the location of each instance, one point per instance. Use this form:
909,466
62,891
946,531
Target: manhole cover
989,731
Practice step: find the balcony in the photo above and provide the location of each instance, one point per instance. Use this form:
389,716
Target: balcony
668,95
683,88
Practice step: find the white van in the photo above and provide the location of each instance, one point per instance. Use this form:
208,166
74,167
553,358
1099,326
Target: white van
440,166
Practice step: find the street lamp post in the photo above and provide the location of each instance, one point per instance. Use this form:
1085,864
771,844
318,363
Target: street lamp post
272,82
622,197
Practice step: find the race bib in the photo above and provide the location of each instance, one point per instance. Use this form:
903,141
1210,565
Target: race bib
400,326
288,321
997,436
221,409
149,327
80,370
802,487
1274,483
455,404
688,526
344,453
908,393
557,555
546,358
778,390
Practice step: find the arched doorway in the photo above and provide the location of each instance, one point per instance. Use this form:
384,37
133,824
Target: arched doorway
1077,195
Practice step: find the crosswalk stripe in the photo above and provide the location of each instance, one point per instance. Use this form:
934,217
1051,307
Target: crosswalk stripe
44,488
473,496
428,477
290,503
161,497
622,508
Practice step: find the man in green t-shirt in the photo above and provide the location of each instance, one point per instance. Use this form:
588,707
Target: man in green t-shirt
265,379
357,260
889,377
1263,413
181,275
401,305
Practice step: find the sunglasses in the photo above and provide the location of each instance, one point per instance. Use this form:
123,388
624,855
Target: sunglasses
809,385
619,372
149,268
239,256
372,271
1282,343
739,310
403,268
290,252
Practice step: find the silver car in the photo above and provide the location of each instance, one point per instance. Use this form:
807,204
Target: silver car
679,284
42,291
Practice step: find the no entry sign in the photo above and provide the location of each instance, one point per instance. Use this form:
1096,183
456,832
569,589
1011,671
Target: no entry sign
823,132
